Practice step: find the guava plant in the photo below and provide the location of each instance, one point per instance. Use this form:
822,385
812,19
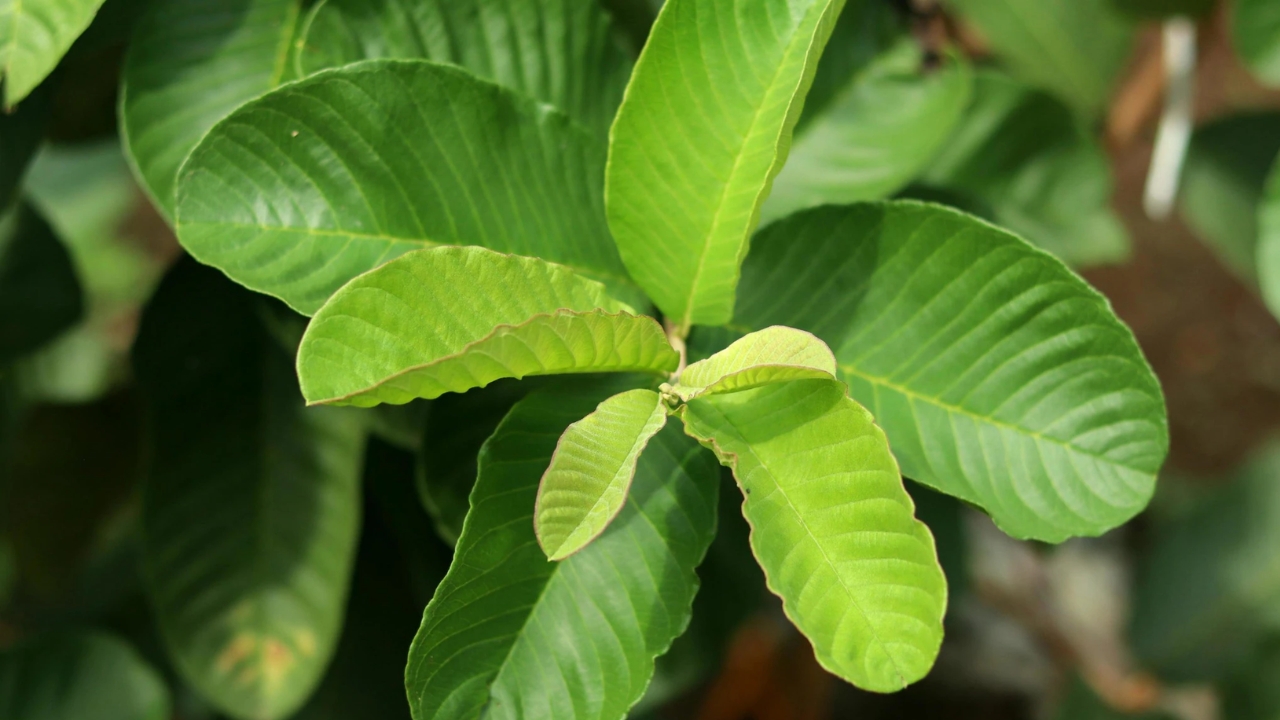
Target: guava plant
461,192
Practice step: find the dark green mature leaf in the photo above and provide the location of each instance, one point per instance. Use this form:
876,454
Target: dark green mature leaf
705,126
875,135
1164,8
34,35
1000,376
832,526
1073,48
864,30
1223,185
512,635
1256,28
450,319
1022,153
190,63
561,52
1255,695
298,192
251,503
83,676
40,296
21,132
1210,588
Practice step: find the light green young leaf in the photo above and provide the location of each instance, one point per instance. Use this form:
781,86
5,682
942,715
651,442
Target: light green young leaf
705,126
511,635
771,355
40,295
832,526
1256,30
586,484
251,505
34,35
190,63
1023,153
561,52
79,676
875,135
999,375
299,191
450,319
1073,48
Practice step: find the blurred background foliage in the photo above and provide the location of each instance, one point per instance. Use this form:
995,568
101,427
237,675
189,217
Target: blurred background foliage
1040,115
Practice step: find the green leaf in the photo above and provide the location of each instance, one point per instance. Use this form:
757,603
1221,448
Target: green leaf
775,354
510,634
864,30
832,526
705,126
1144,9
251,501
561,52
450,319
1022,152
1269,241
586,484
1000,376
40,296
1073,48
1256,30
875,135
34,35
21,133
298,192
190,63
79,676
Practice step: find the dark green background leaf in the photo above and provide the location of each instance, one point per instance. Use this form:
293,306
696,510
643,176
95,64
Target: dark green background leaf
82,676
40,296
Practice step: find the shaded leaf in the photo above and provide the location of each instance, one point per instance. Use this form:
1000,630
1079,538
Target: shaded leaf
1164,8
1256,30
832,526
1073,48
1256,694
251,501
510,634
864,30
21,133
705,126
34,35
1269,241
40,296
450,319
1000,376
88,675
771,355
561,52
190,63
586,484
875,135
1022,153
298,192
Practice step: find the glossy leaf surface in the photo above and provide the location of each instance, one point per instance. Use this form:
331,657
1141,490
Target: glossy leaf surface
34,35
875,135
450,319
511,635
771,355
561,52
190,63
40,296
705,126
832,526
586,484
302,190
252,501
79,676
1000,376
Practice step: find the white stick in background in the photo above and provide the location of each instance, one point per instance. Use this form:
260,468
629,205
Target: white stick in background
1174,134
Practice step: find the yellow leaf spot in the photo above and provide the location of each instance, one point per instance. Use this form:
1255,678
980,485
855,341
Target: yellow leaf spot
236,652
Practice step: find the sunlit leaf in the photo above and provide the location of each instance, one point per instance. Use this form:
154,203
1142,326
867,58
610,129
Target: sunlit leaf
454,318
34,35
771,355
190,63
1000,376
832,526
251,503
300,191
586,484
704,128
79,676
40,296
1256,30
561,52
510,634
